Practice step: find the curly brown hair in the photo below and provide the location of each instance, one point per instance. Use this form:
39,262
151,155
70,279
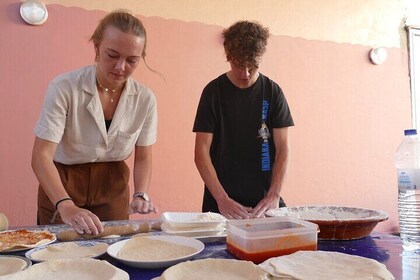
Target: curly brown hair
245,42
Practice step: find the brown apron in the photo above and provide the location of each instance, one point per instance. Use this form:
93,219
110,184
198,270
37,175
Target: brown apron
101,187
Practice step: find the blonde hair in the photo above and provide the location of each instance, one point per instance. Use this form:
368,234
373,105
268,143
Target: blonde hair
124,21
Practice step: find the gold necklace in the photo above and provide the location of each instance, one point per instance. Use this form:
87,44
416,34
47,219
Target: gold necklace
114,91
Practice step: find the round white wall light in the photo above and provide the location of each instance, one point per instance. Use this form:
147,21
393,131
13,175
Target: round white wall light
33,12
378,55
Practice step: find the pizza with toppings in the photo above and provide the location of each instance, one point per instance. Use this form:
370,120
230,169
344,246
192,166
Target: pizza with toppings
22,239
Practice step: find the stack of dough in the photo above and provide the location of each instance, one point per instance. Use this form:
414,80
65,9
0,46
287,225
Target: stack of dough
320,265
4,223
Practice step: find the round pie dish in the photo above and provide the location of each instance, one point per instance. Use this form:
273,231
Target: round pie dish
335,222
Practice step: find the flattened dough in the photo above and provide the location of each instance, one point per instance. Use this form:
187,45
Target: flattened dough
69,250
314,265
214,269
11,265
148,249
86,269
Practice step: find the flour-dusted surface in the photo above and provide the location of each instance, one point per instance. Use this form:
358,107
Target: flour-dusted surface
335,222
193,219
209,216
328,213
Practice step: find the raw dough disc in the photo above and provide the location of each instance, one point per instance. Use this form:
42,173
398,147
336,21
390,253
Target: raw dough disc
10,265
320,265
214,269
148,249
86,269
69,250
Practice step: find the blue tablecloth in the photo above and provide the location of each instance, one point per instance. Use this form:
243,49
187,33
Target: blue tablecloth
385,248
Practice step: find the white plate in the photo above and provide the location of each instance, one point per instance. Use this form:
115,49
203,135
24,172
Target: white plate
213,237
189,241
166,227
18,259
28,246
203,234
82,243
193,219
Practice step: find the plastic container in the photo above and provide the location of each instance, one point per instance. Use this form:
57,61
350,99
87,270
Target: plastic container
407,162
257,240
193,219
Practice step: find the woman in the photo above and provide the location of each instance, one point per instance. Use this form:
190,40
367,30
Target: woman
91,121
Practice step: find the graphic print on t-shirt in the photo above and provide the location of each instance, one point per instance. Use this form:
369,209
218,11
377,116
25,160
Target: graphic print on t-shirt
264,133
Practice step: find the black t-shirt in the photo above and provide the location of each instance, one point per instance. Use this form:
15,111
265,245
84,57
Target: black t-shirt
241,154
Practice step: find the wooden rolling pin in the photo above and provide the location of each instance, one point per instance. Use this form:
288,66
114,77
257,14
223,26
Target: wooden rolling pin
71,234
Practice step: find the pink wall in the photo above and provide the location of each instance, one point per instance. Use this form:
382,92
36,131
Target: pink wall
349,113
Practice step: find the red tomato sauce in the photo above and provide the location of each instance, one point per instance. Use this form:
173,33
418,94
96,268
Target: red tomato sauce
259,257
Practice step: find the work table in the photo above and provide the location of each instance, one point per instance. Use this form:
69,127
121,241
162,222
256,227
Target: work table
385,248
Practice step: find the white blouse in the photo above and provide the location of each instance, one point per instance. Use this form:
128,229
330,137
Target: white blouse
72,116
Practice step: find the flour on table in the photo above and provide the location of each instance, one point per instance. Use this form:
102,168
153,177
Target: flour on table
208,217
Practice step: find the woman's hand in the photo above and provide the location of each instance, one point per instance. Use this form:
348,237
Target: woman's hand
81,220
139,205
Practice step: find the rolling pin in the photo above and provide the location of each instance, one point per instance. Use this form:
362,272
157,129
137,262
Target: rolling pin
71,234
